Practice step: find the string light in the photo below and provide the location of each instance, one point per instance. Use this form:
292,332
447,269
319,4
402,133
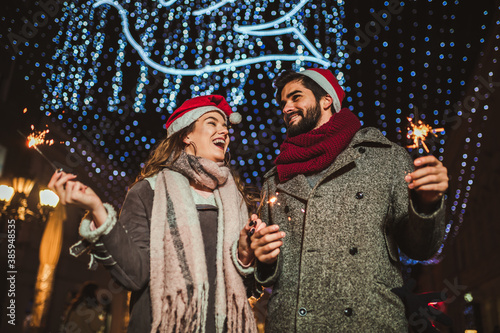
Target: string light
109,85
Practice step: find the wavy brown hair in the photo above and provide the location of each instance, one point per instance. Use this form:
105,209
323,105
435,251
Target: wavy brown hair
173,146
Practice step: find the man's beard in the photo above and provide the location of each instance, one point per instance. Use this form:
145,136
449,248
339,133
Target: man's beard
306,124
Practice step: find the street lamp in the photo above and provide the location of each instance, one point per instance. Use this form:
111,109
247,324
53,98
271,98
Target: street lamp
14,201
6,193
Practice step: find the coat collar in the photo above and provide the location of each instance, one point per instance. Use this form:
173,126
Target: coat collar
299,187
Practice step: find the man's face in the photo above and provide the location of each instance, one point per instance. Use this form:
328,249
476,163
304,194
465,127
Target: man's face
301,111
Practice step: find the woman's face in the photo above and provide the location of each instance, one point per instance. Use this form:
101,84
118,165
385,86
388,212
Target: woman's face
210,136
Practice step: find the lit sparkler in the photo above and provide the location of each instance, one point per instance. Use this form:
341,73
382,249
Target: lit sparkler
263,201
418,133
38,138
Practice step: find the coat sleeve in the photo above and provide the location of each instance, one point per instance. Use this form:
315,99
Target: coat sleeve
245,271
418,235
267,274
124,249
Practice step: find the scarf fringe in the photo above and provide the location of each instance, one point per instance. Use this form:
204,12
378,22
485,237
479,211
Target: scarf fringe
240,316
188,316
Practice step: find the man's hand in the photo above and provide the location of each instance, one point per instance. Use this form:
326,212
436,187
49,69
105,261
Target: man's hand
429,180
266,243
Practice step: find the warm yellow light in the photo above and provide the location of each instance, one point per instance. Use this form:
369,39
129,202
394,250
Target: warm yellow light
468,297
470,331
6,193
23,185
48,198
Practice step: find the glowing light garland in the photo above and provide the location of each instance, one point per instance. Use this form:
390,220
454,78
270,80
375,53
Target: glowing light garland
175,52
109,89
228,64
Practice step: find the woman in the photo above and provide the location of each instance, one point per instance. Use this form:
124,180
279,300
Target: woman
181,230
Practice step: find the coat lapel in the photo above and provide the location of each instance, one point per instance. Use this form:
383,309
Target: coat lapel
364,137
347,157
297,187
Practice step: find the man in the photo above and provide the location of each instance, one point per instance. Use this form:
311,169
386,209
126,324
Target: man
346,198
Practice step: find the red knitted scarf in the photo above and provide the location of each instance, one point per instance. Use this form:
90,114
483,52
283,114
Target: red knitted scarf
316,150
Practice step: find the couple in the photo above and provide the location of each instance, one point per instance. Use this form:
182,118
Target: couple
344,199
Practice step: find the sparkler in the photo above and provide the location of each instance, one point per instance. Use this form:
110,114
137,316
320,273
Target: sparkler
261,204
35,139
419,131
263,201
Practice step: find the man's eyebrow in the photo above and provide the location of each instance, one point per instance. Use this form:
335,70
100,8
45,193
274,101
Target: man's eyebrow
293,93
297,91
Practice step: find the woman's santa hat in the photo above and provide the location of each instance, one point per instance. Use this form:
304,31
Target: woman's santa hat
194,108
326,80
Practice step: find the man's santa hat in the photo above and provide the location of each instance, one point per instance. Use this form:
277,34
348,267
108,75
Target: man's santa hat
326,80
194,108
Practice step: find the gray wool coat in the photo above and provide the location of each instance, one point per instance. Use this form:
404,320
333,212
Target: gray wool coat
339,259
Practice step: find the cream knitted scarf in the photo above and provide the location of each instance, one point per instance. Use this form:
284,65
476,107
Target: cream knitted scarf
179,282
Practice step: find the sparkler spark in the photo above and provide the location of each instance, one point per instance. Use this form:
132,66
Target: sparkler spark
263,201
418,133
35,139
38,138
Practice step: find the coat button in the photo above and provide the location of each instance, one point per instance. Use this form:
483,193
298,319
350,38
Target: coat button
360,195
287,209
362,150
348,312
302,312
353,250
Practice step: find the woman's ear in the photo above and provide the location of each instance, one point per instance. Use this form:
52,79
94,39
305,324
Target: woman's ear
187,140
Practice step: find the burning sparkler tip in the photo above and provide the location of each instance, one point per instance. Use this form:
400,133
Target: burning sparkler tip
419,132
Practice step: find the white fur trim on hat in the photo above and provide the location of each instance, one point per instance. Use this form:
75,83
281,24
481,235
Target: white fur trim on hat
235,118
326,85
191,116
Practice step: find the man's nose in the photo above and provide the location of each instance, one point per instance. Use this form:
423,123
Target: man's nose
288,108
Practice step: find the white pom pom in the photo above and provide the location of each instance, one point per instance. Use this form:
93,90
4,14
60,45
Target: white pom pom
235,118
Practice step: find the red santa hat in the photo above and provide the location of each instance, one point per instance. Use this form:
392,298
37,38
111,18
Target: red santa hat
326,80
194,108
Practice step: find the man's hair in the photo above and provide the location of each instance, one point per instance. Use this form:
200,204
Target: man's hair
286,77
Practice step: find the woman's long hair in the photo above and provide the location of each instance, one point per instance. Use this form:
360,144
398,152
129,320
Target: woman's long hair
169,146
173,146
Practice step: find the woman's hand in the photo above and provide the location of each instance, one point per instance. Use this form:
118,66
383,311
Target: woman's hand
245,253
73,192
